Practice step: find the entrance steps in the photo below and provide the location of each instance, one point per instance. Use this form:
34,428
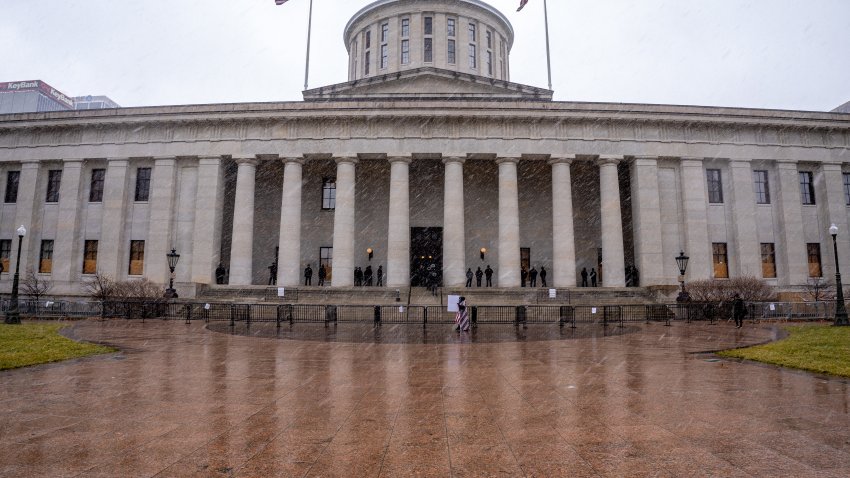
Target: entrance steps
421,296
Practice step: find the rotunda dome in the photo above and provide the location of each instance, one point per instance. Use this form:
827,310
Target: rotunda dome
468,36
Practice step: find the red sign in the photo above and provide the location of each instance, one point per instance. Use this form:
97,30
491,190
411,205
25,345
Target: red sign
38,85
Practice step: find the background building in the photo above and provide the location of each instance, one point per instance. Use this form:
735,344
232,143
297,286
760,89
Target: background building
90,102
32,96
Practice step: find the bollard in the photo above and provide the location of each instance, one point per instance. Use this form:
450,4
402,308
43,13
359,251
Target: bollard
475,316
519,315
232,313
277,316
424,316
188,314
377,315
289,314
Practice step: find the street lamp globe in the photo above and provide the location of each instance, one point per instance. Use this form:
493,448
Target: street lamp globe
22,231
833,229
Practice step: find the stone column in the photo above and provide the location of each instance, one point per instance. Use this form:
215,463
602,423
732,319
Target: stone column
242,245
563,233
343,243
209,204
792,241
289,266
184,224
111,249
613,261
833,210
646,220
67,260
697,244
744,221
398,231
26,214
454,228
509,254
160,240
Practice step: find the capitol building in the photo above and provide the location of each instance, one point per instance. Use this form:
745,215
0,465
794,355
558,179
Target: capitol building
428,156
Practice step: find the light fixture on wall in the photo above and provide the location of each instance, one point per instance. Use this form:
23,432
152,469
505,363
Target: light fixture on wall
483,251
370,252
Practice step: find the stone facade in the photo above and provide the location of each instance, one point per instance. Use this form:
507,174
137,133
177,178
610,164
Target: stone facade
487,163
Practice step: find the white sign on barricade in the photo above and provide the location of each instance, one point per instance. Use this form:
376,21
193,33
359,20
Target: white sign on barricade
452,303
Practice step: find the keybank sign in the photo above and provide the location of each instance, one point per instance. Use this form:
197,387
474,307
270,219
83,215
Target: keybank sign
16,86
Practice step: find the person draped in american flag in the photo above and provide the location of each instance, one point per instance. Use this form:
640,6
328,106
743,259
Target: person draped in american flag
462,316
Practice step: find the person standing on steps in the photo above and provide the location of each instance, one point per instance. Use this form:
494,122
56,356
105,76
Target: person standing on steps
479,274
323,274
469,277
308,275
584,276
367,275
543,276
532,277
273,274
593,277
220,273
523,274
488,273
380,282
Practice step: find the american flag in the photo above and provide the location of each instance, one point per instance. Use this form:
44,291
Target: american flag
521,4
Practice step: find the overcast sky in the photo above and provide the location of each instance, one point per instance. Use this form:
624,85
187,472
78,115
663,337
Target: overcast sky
787,54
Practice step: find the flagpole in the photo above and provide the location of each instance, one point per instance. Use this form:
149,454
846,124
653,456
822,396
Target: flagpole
548,56
309,31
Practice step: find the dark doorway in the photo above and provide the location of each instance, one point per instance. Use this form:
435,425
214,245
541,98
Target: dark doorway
426,255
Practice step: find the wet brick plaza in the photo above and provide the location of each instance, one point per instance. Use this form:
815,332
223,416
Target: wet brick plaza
183,400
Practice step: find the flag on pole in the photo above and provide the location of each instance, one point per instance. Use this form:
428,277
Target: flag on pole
521,4
280,2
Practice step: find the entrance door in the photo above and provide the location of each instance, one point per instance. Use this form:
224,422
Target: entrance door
426,255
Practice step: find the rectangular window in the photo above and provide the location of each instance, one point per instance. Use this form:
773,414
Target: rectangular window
807,188
429,50
385,30
490,63
137,258
405,27
473,60
525,258
768,260
813,251
472,35
12,180
384,55
45,262
54,179
367,60
847,188
450,27
98,176
90,257
721,264
5,253
762,186
489,39
369,39
143,184
328,194
429,26
451,58
326,260
715,186
405,52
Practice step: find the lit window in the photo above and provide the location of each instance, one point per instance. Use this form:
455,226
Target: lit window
768,260
405,52
143,184
813,252
451,51
715,186
807,188
90,257
5,253
45,262
54,178
97,179
328,194
12,180
326,259
137,258
721,264
762,186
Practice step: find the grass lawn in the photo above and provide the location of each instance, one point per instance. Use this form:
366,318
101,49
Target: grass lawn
815,348
33,344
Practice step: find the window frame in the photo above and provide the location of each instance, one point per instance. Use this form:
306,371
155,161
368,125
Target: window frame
846,178
405,52
807,188
143,184
326,260
97,184
137,258
761,188
45,257
714,185
54,183
720,260
814,259
473,57
451,50
6,253
451,27
89,262
405,27
428,25
428,50
11,194
768,260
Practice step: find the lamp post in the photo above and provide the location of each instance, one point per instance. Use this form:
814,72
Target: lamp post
172,257
840,309
682,262
14,316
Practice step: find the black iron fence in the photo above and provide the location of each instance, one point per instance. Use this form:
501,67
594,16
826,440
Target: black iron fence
563,315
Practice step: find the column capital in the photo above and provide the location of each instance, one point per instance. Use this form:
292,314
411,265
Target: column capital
605,159
209,160
399,158
454,159
834,165
787,164
740,163
73,162
249,160
562,159
645,160
118,161
294,159
508,159
348,158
